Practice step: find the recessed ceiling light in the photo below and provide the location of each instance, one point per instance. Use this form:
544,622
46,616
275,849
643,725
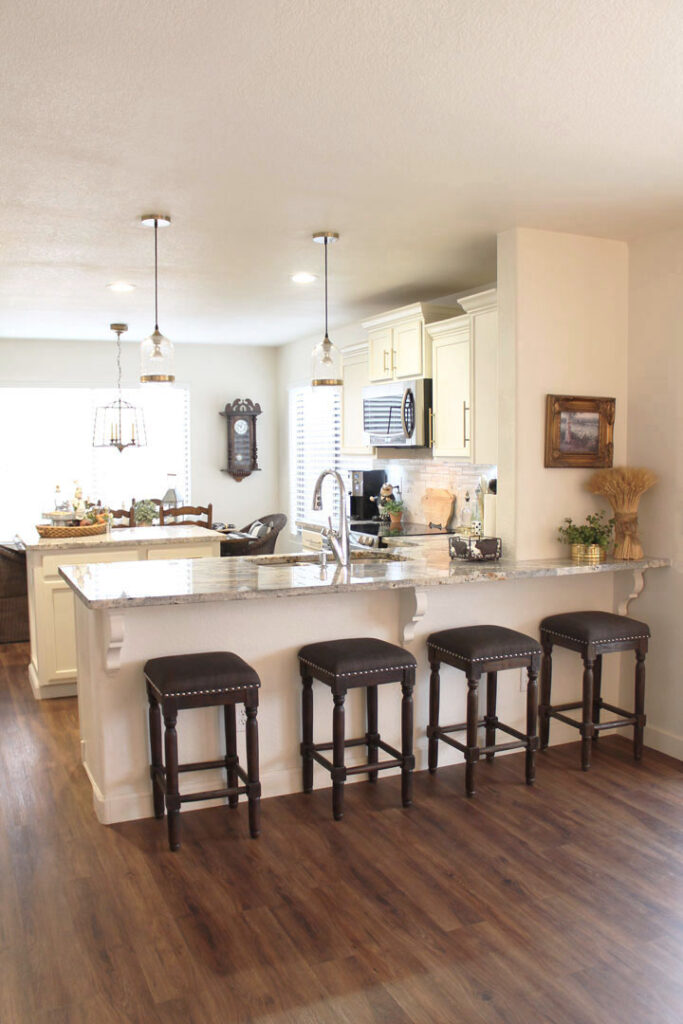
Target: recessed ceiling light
303,277
121,286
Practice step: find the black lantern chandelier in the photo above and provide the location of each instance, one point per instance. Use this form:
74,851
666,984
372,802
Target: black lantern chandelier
119,425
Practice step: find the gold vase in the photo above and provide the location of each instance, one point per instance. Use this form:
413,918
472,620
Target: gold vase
588,554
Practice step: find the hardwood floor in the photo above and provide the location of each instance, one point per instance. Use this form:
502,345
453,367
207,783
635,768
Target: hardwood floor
559,903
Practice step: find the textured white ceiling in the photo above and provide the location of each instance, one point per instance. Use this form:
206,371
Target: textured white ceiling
416,128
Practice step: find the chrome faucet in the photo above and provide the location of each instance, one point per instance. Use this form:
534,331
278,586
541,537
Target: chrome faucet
339,539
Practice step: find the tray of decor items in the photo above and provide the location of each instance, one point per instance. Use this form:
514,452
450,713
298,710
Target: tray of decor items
475,549
74,519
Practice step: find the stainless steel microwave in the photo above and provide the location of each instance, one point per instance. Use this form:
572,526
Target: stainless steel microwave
396,415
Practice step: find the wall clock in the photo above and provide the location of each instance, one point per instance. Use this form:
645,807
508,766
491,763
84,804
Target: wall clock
241,421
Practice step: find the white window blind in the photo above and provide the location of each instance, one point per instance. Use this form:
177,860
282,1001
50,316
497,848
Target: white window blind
315,443
46,439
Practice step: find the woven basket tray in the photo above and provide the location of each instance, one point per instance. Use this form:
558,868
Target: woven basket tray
71,531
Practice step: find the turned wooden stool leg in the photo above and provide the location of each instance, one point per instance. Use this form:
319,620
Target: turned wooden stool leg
156,763
307,732
434,688
491,693
546,681
640,706
472,754
372,735
172,794
229,717
531,722
597,693
253,783
338,756
407,737
587,730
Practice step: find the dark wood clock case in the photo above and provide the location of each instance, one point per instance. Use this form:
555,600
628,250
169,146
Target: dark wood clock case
242,451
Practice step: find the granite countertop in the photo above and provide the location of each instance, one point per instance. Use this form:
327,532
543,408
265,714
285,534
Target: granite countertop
190,581
125,535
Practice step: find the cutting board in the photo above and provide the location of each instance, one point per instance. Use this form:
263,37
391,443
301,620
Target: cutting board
437,506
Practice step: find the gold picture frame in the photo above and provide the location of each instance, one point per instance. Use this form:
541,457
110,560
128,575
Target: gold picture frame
579,432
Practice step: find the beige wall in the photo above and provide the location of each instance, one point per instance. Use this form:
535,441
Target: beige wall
214,374
655,440
563,303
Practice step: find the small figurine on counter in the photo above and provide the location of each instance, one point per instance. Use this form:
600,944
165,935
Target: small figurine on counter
78,503
386,494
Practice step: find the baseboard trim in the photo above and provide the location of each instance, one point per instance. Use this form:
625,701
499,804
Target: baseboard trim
665,742
43,692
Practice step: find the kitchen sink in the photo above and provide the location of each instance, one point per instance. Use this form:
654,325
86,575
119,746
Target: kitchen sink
313,558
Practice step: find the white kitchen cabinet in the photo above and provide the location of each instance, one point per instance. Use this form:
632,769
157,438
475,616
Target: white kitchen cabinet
52,666
452,388
465,388
398,347
380,350
355,377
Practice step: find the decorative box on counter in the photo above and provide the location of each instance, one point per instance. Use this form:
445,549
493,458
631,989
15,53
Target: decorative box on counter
475,549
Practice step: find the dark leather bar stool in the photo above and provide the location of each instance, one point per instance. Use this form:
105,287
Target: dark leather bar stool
343,665
593,634
200,681
474,650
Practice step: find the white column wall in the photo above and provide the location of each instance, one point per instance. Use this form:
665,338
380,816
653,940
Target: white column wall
563,330
655,440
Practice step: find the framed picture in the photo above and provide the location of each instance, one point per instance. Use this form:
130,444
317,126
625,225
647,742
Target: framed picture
579,432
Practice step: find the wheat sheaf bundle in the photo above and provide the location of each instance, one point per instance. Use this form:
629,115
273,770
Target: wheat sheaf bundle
623,486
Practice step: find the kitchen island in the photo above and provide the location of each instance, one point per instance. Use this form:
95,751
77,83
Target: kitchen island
265,608
52,668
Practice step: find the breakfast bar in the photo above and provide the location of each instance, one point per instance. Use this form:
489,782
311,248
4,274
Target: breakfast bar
264,609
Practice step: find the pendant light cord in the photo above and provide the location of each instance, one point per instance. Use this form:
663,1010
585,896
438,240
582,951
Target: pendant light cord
118,360
326,240
156,277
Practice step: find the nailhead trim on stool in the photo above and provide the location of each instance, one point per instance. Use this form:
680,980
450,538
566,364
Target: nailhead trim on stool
169,689
474,650
335,663
592,634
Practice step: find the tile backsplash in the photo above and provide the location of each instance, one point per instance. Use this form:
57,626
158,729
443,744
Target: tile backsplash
415,474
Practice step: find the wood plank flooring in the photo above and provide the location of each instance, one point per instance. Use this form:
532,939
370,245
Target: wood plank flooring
562,903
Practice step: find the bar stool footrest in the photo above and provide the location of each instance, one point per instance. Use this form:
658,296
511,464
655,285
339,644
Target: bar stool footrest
495,747
339,774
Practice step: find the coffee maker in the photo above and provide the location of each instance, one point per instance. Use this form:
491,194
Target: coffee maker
365,484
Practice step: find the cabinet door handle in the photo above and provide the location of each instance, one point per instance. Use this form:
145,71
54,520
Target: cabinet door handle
393,364
385,366
431,428
465,410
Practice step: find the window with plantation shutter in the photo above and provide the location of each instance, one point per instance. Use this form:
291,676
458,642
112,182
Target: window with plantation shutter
315,445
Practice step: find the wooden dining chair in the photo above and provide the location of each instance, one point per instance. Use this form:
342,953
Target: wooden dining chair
172,516
127,514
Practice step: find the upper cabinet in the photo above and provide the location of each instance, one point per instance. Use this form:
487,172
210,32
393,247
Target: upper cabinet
465,389
355,377
398,346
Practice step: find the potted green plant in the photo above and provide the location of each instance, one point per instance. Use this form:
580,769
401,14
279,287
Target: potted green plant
145,512
589,541
395,507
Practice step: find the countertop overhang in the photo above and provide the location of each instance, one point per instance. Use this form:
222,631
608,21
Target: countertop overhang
121,536
185,581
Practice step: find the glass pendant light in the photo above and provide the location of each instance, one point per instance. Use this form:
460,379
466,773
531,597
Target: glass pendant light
156,352
326,357
119,424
